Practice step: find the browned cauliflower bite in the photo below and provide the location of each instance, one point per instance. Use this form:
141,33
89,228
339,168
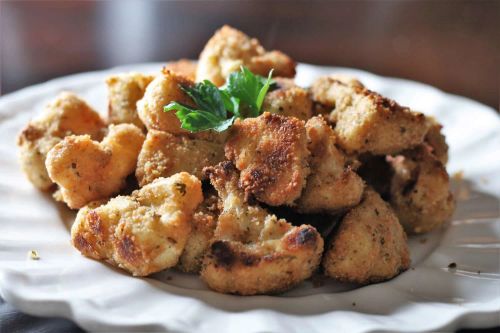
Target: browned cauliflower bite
229,49
288,100
436,140
254,252
66,115
271,153
184,67
366,122
369,245
87,170
124,90
164,154
142,233
332,184
420,190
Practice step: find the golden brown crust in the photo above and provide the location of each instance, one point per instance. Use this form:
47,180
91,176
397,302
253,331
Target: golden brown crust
288,100
164,154
420,190
436,140
229,49
124,90
165,88
369,245
332,184
184,67
142,233
271,153
86,170
67,114
366,122
253,252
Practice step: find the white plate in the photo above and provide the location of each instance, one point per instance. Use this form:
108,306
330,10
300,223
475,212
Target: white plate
98,297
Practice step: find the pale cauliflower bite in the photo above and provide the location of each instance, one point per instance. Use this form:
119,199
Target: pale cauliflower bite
332,184
66,115
288,99
369,245
165,88
229,49
366,122
124,90
203,225
86,170
254,252
271,153
420,190
164,154
142,233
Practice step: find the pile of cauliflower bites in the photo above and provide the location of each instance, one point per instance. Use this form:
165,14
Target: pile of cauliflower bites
359,167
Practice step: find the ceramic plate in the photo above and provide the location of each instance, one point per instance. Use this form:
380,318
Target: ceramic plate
429,296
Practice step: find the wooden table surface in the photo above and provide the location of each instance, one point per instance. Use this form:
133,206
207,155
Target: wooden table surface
453,45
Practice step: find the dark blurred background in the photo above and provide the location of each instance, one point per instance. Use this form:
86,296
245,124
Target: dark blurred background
453,45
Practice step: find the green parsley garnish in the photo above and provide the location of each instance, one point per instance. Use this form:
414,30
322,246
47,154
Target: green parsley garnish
217,108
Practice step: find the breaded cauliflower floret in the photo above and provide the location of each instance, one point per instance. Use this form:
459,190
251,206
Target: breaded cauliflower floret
366,122
271,153
254,252
203,225
66,115
229,49
124,90
436,140
87,170
288,100
184,67
142,233
369,245
420,190
332,184
164,154
165,88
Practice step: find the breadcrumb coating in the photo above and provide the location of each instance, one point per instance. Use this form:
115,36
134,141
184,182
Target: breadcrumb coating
271,153
254,252
142,233
86,170
369,245
366,122
66,115
164,154
124,90
332,185
288,100
229,49
420,190
436,140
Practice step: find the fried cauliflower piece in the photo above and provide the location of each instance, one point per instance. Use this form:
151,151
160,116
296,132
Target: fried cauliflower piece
436,140
124,90
229,49
366,122
369,245
184,67
142,233
271,153
164,154
161,91
288,100
332,184
420,190
254,252
66,115
203,224
87,170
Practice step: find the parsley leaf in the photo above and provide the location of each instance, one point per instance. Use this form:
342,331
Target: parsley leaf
217,108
